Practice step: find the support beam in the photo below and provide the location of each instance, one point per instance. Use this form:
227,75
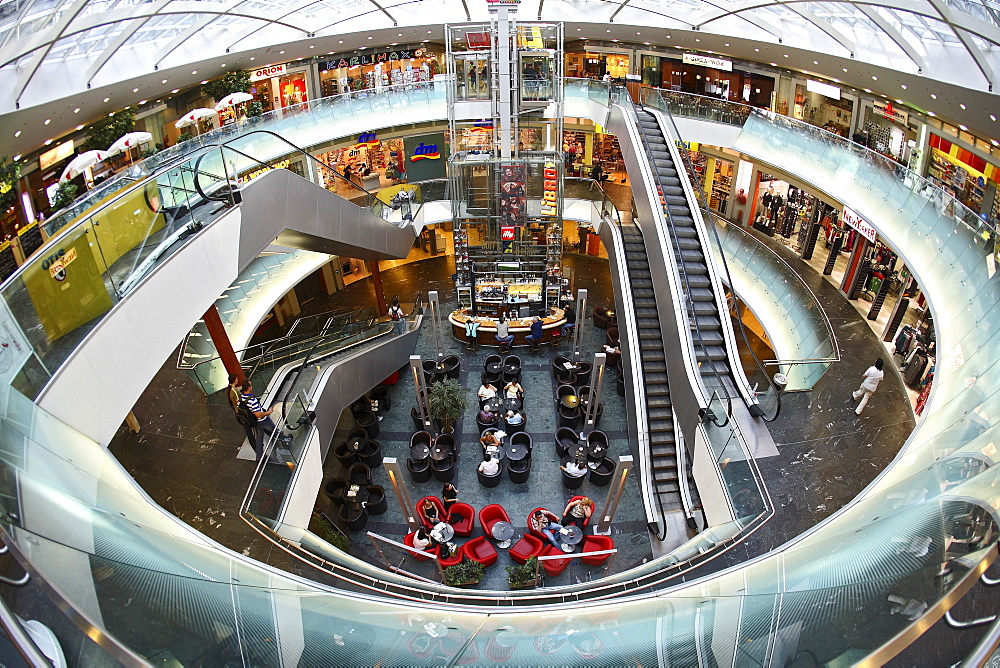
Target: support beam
220,339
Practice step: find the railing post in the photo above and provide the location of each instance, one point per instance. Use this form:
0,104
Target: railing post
423,409
581,317
398,483
432,298
594,399
622,471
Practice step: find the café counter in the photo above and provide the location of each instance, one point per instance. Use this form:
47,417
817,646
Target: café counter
486,334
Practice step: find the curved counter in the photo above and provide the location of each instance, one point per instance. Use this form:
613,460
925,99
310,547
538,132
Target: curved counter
487,332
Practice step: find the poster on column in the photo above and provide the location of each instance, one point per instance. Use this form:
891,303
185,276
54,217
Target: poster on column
427,157
512,195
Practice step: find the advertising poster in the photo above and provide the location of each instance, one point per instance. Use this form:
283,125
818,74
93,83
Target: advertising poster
513,205
507,237
426,157
14,347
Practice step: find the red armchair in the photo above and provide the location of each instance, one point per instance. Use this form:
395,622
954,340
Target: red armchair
463,519
586,521
529,546
420,511
408,540
555,566
481,550
453,560
533,526
490,515
594,544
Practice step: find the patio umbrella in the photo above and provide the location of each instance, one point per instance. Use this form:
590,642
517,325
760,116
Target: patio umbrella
81,163
127,142
233,99
192,117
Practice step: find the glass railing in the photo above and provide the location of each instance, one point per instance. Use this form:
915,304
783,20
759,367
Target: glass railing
796,323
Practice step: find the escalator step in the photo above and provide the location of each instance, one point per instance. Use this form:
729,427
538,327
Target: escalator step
685,231
692,256
695,268
688,243
656,390
702,295
705,308
655,377
699,281
644,301
710,337
661,404
653,356
714,353
706,322
660,413
645,312
648,323
650,335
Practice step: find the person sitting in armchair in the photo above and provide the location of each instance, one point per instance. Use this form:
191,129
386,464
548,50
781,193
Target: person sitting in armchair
485,416
513,390
548,524
487,391
577,512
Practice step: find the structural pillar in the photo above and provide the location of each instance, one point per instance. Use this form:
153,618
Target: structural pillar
220,338
377,284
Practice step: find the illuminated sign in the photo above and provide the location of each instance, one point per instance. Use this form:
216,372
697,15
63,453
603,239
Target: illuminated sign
705,61
823,89
507,233
858,223
51,157
267,72
371,58
886,110
425,152
366,139
550,189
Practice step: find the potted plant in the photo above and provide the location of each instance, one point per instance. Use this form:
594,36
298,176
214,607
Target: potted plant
523,576
468,572
447,401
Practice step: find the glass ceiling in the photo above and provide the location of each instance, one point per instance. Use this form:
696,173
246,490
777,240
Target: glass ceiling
97,36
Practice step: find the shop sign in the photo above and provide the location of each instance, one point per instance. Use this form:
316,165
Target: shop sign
262,73
858,223
372,58
507,235
263,170
366,139
425,152
550,190
51,157
477,40
886,110
829,91
706,61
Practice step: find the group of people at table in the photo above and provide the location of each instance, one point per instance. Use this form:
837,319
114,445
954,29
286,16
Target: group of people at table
493,406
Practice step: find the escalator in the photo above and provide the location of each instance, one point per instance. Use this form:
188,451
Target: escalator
703,309
659,414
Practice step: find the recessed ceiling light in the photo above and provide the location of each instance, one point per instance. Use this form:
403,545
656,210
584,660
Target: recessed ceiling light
785,55
931,114
311,46
48,141
609,30
47,121
281,53
222,65
142,101
874,78
135,90
107,99
175,90
342,41
110,114
994,142
774,64
727,43
400,35
17,134
868,90
638,33
903,86
756,49
836,81
697,39
164,81
17,157
646,43
194,71
77,110
845,69
962,106
251,57
933,96
204,82
614,40
815,62
993,118
962,127
579,29
899,102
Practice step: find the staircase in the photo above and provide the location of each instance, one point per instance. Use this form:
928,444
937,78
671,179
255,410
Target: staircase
704,314
659,416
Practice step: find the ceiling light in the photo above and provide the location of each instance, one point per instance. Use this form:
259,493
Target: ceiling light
785,55
994,141
400,35
903,86
874,78
579,29
638,33
281,53
727,43
135,90
962,127
962,106
164,81
142,101
79,127
868,90
107,99
175,90
774,64
251,57
899,102
311,46
110,114
756,49
933,96
646,43
47,121
17,157
815,62
77,110
931,114
204,82
17,134
192,72
697,39
369,36
836,80
48,141
614,40
845,69
993,118
223,64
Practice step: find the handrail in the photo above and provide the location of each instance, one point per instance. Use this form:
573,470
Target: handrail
703,204
689,306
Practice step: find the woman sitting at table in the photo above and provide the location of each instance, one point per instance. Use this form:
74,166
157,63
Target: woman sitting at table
430,510
487,391
513,390
423,540
489,466
548,526
489,440
577,512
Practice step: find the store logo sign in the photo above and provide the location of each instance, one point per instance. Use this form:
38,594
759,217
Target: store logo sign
550,190
267,72
705,61
886,110
57,262
367,139
425,152
858,223
506,233
371,58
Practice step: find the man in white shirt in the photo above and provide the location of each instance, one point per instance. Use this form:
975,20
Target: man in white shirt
489,466
575,469
487,391
872,377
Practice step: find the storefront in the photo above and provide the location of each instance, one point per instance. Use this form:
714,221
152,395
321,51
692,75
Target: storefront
702,75
824,106
339,74
715,169
371,163
595,63
965,175
280,86
886,130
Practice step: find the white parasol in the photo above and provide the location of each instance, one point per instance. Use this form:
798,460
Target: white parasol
128,141
233,99
81,163
192,117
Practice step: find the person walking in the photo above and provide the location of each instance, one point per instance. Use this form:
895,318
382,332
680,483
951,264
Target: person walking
265,425
872,377
397,316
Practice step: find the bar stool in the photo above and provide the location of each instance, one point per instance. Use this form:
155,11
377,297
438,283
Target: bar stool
504,347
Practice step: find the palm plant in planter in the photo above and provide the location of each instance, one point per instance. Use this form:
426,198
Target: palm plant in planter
523,576
468,572
447,401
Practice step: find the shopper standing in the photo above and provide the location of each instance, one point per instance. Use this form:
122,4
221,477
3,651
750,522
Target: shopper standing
872,377
397,316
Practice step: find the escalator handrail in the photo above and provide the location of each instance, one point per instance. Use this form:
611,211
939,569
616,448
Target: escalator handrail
713,230
676,243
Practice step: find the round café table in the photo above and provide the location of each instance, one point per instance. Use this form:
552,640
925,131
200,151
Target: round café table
570,401
570,537
503,532
492,368
493,405
511,369
440,452
516,451
356,495
577,451
597,450
442,532
513,404
420,452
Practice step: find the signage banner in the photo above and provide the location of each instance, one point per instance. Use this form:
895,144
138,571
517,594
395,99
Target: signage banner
427,157
512,195
827,90
706,61
550,190
51,157
858,223
886,110
346,60
267,72
14,347
507,236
